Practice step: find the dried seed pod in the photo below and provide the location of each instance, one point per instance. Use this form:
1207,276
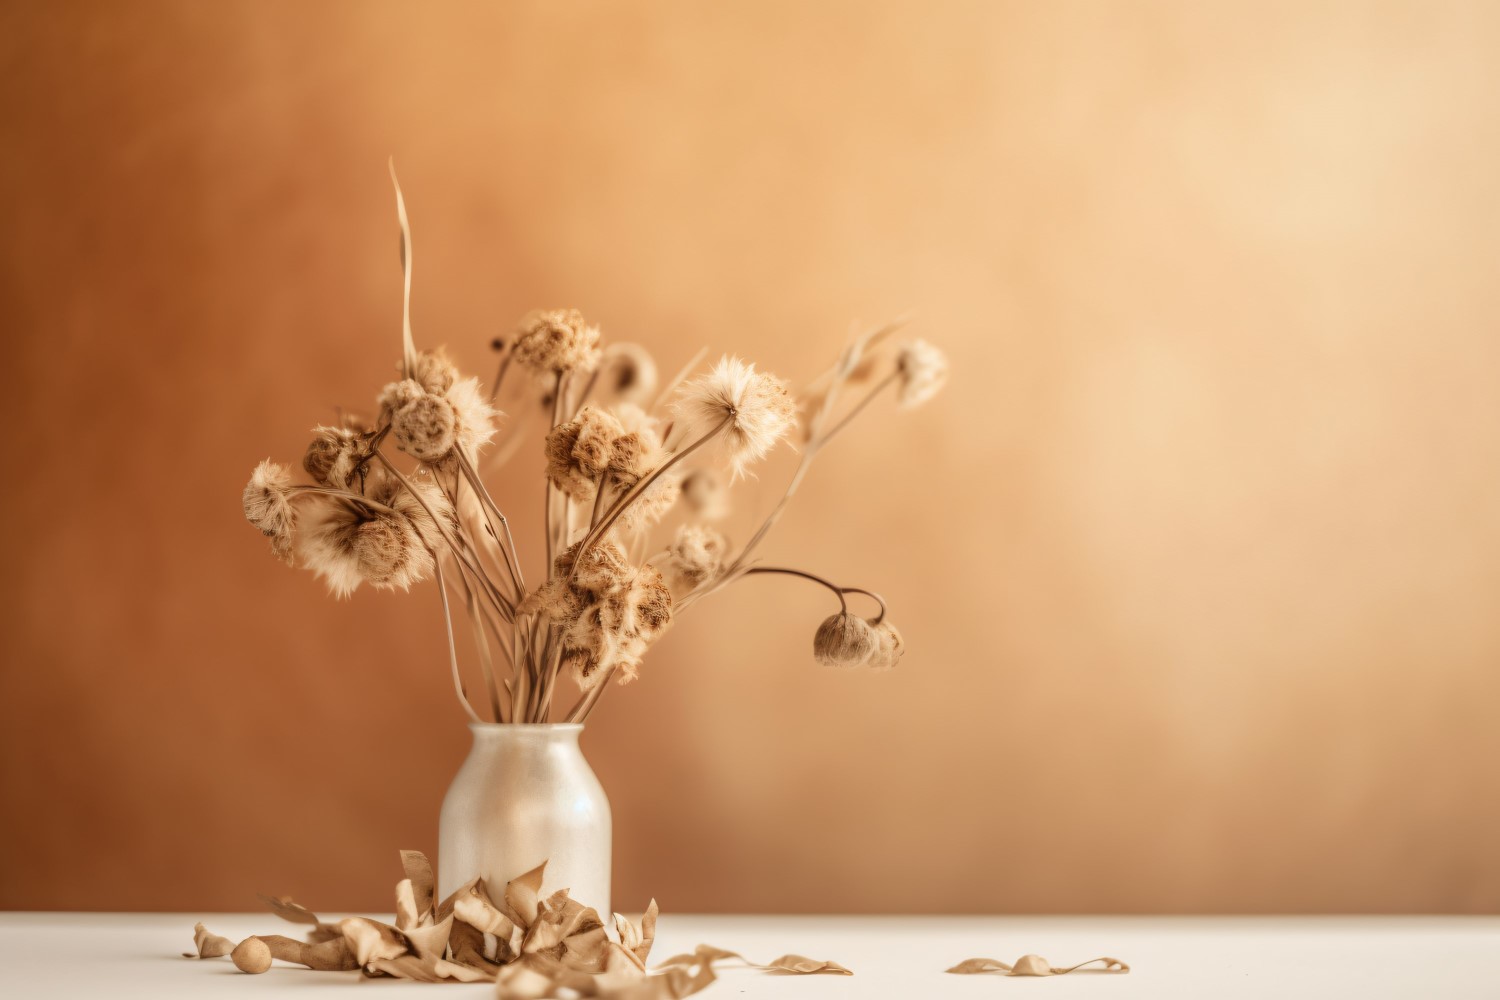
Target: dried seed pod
844,640
628,373
251,955
888,647
706,495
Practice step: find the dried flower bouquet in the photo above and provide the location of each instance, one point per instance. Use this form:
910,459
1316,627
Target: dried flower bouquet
619,455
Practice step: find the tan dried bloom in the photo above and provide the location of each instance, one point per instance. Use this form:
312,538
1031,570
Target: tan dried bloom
923,369
757,406
695,556
844,640
888,648
268,506
627,372
434,372
556,340
604,568
637,449
334,455
429,425
579,451
348,543
706,495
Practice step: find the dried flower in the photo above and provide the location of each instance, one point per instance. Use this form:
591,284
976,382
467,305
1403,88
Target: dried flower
268,506
650,506
888,647
637,449
628,373
844,640
579,451
434,372
695,556
348,543
755,409
556,340
429,425
334,455
923,369
604,567
705,494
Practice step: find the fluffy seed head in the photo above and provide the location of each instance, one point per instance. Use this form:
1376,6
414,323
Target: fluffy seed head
434,372
844,640
579,451
556,340
425,428
924,370
268,506
755,409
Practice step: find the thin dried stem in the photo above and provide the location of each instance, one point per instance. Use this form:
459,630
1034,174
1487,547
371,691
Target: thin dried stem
580,711
458,683
855,411
408,345
837,590
547,480
500,374
488,505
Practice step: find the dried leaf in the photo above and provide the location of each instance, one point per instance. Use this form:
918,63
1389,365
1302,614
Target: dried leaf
284,908
795,964
370,939
419,872
522,895
1032,965
638,938
208,944
407,914
473,907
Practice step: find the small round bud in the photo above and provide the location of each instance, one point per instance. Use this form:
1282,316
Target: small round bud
251,955
844,640
888,647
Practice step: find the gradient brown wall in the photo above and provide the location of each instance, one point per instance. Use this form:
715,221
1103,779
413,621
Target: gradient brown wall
1198,559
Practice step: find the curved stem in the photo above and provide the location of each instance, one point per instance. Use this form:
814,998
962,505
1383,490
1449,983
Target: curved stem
488,504
874,597
580,711
547,480
879,386
837,590
500,375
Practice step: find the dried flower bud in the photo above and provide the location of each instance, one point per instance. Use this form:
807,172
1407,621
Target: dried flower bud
429,425
844,640
695,555
557,340
579,451
889,647
628,373
924,370
333,456
706,495
268,506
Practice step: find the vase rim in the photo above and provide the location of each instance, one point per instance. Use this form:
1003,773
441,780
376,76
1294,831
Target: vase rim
550,727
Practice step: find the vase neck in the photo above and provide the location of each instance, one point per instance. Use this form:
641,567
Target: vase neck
525,733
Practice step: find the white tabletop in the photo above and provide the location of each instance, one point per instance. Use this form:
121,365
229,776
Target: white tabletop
63,955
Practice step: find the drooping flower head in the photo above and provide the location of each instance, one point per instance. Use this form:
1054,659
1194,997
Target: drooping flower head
750,410
888,647
923,370
556,340
334,455
435,411
844,640
348,543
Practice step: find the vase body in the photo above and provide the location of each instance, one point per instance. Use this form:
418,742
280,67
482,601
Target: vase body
525,795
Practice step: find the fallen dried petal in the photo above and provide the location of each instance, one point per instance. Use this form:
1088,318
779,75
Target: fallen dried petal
419,871
370,939
806,966
208,944
522,894
795,964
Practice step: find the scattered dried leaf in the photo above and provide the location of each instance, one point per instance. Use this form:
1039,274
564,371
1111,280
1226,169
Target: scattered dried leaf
1032,965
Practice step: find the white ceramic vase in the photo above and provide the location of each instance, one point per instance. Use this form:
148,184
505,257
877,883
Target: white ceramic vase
525,795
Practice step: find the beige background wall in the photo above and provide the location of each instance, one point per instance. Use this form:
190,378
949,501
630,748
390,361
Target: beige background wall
1198,559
